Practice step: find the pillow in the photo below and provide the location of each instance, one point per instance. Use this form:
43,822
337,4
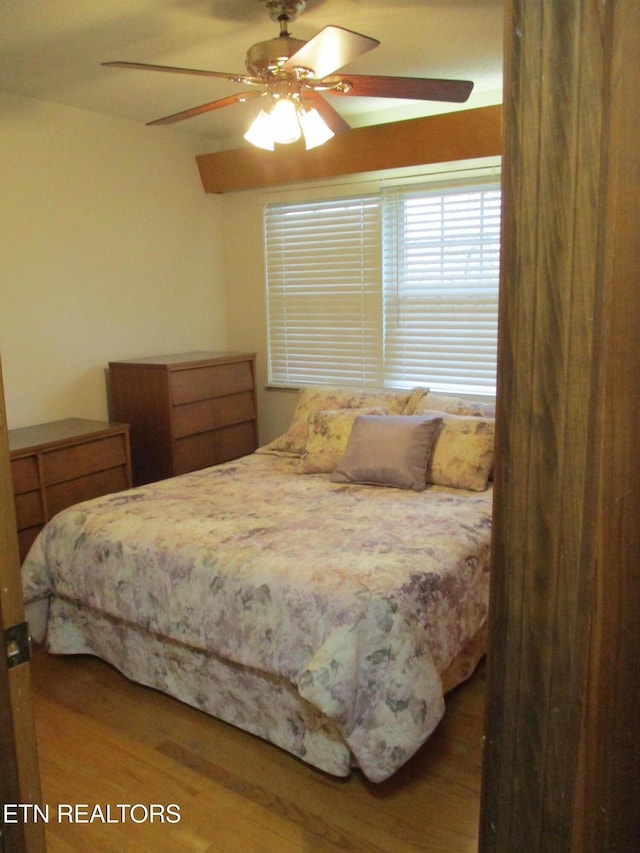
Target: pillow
327,437
417,394
388,450
316,398
462,452
454,406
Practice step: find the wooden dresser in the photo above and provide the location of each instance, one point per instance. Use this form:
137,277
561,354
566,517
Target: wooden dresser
57,464
186,411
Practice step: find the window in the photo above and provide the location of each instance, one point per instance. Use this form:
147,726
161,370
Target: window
396,288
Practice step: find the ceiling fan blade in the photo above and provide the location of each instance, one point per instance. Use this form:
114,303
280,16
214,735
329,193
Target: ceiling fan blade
206,108
330,49
413,88
171,69
332,117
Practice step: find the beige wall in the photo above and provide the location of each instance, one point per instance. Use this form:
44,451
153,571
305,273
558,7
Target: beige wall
246,306
109,249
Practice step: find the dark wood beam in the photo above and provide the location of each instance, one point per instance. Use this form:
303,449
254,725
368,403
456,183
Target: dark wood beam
435,139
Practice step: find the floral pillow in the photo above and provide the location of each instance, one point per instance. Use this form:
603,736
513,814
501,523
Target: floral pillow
417,395
462,452
328,434
454,406
317,398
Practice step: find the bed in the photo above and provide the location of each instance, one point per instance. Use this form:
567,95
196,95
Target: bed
319,609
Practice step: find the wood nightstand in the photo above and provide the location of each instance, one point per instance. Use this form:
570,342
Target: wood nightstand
57,464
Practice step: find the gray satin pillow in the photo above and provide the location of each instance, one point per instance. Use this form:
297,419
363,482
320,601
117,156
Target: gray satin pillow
388,450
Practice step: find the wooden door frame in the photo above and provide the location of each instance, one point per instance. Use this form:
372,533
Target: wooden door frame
562,756
12,835
23,781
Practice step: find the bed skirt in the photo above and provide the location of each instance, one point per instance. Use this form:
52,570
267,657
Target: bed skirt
256,702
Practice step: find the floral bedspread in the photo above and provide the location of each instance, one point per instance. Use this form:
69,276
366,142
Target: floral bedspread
357,595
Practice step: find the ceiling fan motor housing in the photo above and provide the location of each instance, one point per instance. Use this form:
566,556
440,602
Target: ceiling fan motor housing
267,58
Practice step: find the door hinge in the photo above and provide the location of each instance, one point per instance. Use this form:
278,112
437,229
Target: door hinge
18,644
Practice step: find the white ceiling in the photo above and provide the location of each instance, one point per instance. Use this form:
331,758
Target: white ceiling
52,50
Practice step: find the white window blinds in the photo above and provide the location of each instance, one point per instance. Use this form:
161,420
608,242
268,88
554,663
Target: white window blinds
324,300
398,288
441,250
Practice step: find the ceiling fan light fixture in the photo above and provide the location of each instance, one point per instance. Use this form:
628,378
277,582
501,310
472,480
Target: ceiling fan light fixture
286,123
314,128
260,132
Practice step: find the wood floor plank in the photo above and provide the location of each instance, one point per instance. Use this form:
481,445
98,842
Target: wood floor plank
114,769
104,740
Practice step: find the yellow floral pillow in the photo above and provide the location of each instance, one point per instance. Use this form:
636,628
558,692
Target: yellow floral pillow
462,452
454,406
417,395
327,438
316,398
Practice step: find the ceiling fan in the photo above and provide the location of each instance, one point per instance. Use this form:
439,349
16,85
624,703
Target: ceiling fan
292,75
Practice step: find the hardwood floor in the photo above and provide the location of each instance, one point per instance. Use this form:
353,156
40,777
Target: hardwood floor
105,741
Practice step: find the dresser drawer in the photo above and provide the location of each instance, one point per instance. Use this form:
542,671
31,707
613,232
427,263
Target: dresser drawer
65,494
214,380
194,451
213,447
56,464
192,418
26,539
61,464
235,441
29,509
25,474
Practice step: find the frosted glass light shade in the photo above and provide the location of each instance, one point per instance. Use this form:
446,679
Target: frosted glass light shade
260,132
316,131
284,121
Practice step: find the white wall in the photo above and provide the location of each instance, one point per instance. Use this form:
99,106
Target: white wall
109,249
